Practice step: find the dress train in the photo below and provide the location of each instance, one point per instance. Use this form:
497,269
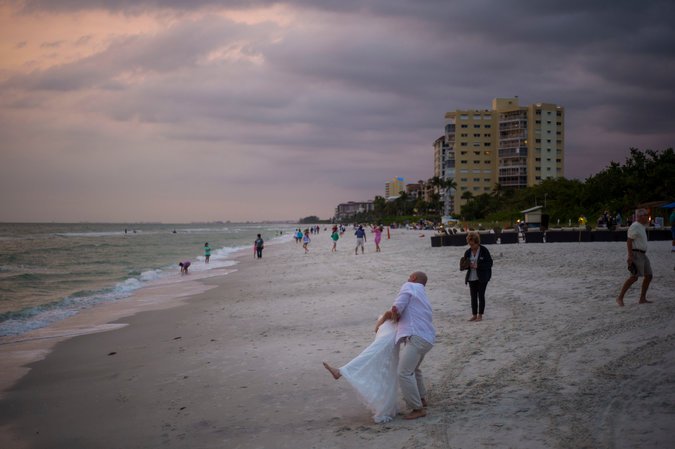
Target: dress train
373,374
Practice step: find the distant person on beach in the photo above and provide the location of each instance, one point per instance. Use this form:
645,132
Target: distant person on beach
259,245
360,239
335,236
306,241
404,335
378,237
184,266
638,262
478,275
207,252
298,236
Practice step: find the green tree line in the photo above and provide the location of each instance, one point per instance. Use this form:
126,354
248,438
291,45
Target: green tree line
645,176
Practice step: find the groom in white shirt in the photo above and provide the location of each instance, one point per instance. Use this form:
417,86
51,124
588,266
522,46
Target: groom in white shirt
415,337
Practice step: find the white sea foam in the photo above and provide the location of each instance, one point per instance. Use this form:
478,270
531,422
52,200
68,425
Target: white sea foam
35,314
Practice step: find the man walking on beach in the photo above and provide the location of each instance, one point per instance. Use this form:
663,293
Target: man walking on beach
415,337
360,239
259,244
638,263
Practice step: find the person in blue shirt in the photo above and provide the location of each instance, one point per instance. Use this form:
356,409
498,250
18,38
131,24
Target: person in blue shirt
360,240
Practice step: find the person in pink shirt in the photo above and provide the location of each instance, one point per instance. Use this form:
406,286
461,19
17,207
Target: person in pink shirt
378,237
184,265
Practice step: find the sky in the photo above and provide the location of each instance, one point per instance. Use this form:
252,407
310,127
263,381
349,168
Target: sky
203,110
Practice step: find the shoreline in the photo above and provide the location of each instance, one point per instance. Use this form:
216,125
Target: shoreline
553,364
17,351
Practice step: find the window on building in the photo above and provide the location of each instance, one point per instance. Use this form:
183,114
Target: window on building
476,135
476,144
465,126
486,144
476,126
476,179
488,126
463,162
487,135
463,144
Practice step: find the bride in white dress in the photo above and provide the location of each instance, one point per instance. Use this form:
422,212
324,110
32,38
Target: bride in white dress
373,373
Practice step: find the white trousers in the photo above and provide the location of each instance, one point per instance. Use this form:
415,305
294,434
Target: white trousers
411,353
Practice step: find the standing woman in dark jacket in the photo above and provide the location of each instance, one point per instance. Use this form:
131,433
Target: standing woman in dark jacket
478,275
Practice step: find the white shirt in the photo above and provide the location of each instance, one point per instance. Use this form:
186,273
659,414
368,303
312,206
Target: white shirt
638,234
473,273
414,312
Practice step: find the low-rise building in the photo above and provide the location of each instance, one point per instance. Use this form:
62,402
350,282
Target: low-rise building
344,211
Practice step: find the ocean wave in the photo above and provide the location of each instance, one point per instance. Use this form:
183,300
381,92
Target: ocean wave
31,318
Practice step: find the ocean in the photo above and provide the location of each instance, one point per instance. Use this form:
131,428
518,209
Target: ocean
49,272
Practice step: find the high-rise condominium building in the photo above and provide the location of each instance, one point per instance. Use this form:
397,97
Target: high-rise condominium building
394,187
510,145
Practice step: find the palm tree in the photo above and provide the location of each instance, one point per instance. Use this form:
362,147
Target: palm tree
401,203
448,185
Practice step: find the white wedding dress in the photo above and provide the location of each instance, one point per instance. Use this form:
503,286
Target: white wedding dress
373,374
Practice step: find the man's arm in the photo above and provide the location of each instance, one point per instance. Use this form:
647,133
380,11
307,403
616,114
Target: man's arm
388,315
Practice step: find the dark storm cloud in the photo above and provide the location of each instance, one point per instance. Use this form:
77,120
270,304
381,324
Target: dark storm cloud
347,94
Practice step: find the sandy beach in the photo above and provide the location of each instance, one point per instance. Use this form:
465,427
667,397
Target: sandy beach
554,364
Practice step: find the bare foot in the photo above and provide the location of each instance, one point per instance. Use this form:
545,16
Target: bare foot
419,413
644,301
424,402
473,318
619,301
334,371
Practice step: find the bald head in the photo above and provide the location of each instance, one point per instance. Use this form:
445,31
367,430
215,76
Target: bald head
418,277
